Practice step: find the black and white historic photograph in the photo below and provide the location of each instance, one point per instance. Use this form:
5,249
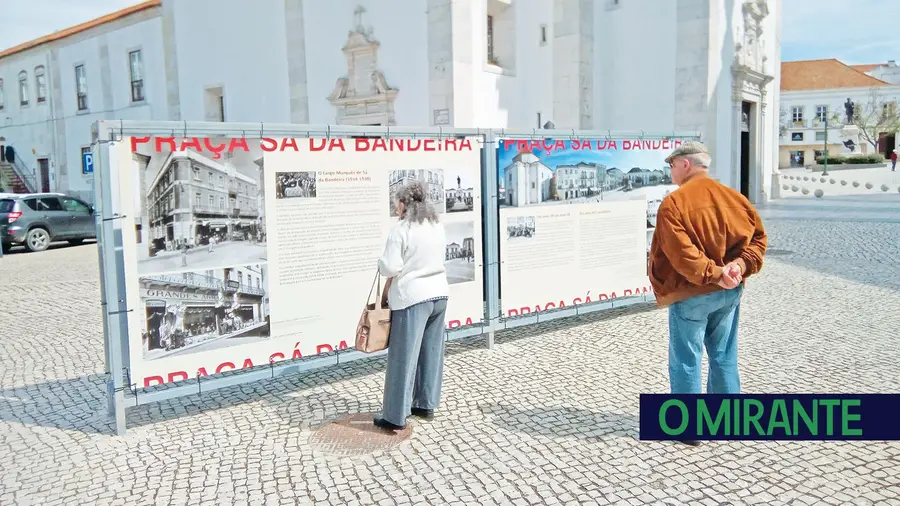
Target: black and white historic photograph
520,227
289,185
199,210
459,191
459,259
432,179
652,210
188,312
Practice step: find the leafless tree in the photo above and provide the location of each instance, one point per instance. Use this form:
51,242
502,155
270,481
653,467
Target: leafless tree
878,115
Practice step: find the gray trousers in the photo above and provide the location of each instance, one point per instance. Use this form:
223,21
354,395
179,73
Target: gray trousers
415,363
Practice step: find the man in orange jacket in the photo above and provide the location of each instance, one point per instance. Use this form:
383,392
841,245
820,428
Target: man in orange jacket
708,240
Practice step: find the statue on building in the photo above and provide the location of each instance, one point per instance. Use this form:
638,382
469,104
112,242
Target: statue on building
749,50
849,109
363,96
379,82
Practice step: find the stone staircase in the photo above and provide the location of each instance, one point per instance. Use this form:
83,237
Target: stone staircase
10,182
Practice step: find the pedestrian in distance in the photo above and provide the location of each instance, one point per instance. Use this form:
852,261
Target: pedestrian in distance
893,160
413,262
708,240
184,252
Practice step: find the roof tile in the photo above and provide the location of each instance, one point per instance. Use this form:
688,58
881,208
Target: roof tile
823,75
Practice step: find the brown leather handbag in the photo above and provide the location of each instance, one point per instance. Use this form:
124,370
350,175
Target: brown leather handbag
374,328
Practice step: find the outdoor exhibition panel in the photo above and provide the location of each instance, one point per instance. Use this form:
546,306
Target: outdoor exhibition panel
236,252
242,251
577,217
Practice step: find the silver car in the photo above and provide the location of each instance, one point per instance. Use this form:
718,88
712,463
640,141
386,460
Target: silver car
36,220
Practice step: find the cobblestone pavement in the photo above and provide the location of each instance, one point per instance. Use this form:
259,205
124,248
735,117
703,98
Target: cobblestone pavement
547,417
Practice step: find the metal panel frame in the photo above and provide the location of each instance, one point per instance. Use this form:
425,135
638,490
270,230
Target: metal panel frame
113,300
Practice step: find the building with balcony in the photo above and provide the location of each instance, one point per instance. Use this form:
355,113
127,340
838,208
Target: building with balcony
817,100
580,180
202,306
193,200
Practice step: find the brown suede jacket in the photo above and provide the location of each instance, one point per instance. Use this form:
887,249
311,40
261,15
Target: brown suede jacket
701,227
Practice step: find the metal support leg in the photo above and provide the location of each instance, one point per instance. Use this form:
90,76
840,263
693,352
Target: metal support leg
491,231
113,295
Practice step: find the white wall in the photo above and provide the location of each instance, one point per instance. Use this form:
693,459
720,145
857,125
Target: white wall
772,37
27,128
105,57
634,68
720,131
510,96
889,73
400,26
238,47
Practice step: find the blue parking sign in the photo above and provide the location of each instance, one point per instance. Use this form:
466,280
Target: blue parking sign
87,163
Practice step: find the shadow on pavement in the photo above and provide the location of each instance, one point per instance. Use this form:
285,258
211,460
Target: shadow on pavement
562,422
77,404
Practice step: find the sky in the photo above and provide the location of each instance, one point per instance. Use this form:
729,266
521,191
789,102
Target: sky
857,32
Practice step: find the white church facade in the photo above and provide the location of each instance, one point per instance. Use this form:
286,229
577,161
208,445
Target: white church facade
710,66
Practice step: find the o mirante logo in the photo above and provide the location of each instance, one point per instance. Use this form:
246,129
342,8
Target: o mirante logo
769,417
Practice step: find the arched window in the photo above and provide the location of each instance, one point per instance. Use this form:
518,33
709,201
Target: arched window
40,84
23,88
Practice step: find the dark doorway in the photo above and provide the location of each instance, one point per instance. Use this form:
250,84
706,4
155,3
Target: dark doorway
746,108
887,142
44,168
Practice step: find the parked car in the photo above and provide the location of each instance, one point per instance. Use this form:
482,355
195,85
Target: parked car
36,220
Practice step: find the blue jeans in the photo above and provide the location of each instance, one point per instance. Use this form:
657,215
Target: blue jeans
710,320
415,363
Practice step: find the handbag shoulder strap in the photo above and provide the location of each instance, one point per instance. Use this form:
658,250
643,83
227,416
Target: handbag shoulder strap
376,281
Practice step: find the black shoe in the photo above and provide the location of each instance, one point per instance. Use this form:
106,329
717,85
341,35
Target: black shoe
691,442
384,424
424,414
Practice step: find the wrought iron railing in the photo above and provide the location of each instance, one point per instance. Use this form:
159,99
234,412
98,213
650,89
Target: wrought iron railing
20,168
29,180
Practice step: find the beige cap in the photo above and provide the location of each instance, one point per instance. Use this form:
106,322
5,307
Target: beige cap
687,148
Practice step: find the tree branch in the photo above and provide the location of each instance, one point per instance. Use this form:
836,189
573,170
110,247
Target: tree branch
877,116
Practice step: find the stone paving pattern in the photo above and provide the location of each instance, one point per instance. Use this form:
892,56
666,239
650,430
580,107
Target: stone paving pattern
547,417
